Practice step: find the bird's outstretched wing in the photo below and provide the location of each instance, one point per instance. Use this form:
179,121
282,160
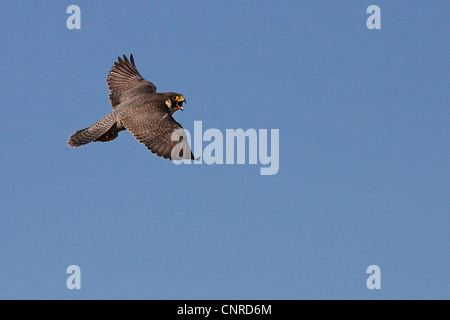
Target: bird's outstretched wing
159,132
124,81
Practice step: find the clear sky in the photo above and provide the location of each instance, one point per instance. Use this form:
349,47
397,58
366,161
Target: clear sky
363,118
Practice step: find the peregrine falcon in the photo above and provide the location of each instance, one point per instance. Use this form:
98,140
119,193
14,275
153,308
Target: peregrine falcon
138,108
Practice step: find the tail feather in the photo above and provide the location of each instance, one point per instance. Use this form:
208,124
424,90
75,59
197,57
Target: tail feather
84,136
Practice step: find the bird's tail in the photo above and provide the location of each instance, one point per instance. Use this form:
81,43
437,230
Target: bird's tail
94,132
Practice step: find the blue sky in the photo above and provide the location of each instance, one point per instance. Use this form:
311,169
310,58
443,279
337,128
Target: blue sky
364,155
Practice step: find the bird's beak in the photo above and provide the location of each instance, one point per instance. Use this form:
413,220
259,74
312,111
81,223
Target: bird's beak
183,100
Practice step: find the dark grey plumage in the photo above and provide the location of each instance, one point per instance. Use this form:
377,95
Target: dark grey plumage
138,108
97,130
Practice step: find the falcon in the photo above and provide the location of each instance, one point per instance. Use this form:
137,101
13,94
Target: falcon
138,108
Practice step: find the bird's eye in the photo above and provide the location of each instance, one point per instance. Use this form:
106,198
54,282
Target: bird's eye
175,98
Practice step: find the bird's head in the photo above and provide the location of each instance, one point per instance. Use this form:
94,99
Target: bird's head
175,101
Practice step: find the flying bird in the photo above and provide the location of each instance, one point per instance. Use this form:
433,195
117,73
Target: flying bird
138,108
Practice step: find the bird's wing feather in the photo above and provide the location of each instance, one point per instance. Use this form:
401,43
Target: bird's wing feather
158,131
124,81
